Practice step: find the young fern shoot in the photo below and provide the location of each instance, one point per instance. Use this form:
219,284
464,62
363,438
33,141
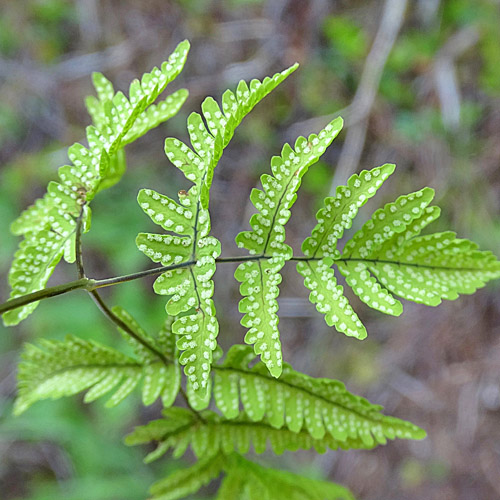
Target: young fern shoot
257,398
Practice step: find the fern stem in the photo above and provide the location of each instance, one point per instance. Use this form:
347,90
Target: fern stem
91,284
123,326
141,274
242,258
45,293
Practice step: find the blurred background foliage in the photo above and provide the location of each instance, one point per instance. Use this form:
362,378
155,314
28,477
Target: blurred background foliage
418,84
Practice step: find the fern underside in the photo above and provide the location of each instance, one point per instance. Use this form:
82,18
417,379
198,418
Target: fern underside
261,401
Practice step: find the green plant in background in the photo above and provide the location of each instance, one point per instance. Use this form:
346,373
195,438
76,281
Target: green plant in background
261,399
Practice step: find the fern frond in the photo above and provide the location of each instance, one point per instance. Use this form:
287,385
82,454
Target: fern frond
121,120
260,278
426,269
49,225
439,266
245,480
388,248
190,286
209,141
65,368
180,429
248,480
385,222
386,257
188,480
95,105
321,249
155,115
299,402
34,262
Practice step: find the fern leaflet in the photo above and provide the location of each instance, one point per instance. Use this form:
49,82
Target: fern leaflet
423,269
299,402
387,257
336,216
260,278
190,287
49,225
180,429
64,368
292,412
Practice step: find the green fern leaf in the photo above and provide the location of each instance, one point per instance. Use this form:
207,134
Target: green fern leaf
34,261
65,368
245,480
34,218
321,248
385,222
95,105
297,401
190,288
340,210
180,429
248,480
190,247
188,480
121,120
279,193
388,249
329,297
49,225
435,267
260,279
389,254
259,287
103,87
155,115
386,257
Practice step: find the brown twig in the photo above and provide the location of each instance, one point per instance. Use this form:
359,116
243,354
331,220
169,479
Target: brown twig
390,24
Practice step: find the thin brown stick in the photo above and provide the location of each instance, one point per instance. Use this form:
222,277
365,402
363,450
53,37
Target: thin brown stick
390,24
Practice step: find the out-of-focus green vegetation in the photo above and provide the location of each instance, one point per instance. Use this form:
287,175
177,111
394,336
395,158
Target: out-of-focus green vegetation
434,367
